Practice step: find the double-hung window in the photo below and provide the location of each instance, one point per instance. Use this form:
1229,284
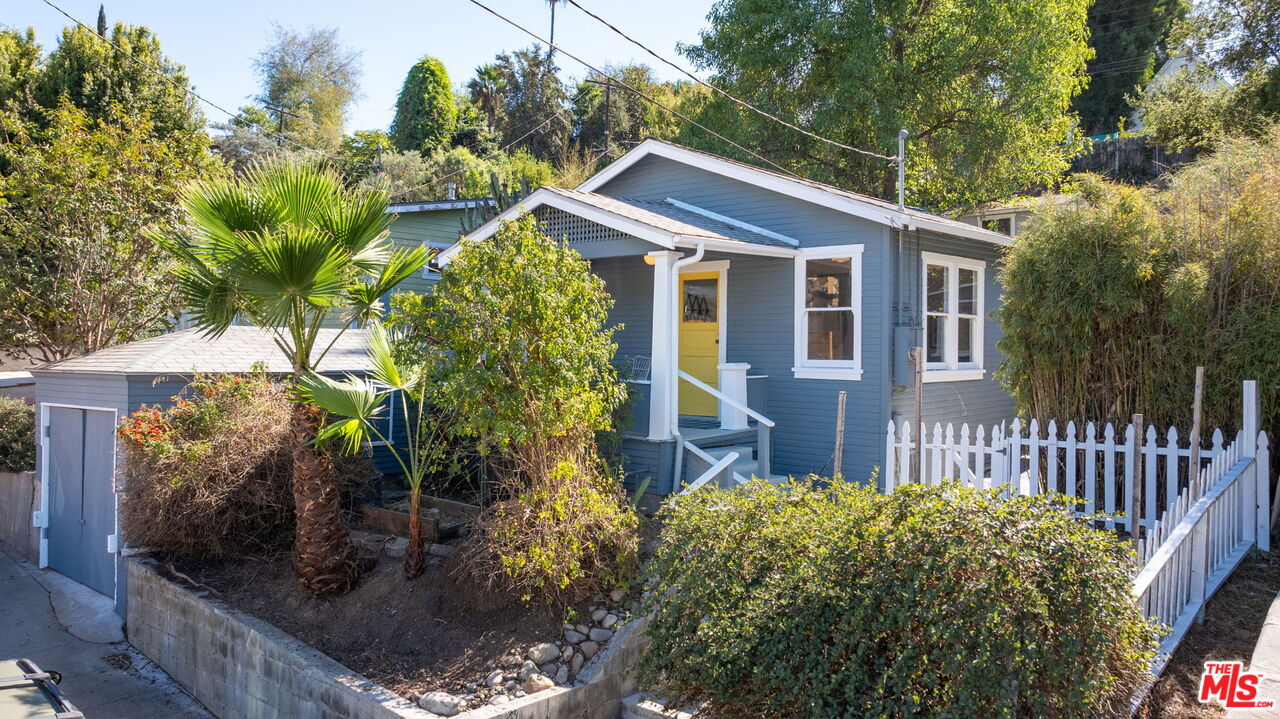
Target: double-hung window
953,315
828,322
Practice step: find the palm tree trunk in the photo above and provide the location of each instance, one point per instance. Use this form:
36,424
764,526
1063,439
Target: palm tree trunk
324,559
414,562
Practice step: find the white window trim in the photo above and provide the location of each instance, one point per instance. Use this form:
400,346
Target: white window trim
951,370
805,368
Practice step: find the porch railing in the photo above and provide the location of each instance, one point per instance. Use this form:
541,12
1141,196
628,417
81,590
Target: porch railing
720,470
764,425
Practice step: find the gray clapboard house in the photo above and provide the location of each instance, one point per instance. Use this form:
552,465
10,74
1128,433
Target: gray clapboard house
79,403
750,299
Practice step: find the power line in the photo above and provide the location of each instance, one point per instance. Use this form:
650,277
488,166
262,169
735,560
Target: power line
504,148
184,88
743,103
601,73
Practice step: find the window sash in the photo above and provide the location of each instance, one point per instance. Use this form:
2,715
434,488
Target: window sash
804,313
951,316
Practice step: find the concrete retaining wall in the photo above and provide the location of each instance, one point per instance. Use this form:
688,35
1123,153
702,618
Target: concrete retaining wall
19,497
239,666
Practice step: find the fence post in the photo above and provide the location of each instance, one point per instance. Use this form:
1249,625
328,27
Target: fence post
1261,476
1199,566
889,461
1262,465
1133,480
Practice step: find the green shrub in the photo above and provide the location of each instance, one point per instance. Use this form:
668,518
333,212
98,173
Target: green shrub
930,602
17,435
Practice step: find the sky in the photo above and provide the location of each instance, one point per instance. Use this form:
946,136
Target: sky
217,41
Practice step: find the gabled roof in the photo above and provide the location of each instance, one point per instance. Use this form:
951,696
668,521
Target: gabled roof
236,350
853,203
665,224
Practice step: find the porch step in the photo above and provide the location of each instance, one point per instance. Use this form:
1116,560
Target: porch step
641,706
744,452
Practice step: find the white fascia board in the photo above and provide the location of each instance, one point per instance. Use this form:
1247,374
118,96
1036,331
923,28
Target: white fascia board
544,196
972,233
741,248
742,173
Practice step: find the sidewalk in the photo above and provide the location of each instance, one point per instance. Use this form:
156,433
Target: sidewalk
66,627
1266,659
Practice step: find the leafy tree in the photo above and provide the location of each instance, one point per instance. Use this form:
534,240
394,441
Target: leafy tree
405,176
78,271
426,113
1128,38
1193,110
629,115
287,246
984,88
249,138
312,76
357,403
487,91
1241,39
1112,300
97,78
473,131
472,174
362,153
534,112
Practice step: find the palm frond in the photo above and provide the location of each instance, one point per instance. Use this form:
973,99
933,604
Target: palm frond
366,297
296,265
385,369
357,401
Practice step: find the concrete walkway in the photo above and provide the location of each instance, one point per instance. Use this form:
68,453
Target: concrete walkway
66,627
1266,659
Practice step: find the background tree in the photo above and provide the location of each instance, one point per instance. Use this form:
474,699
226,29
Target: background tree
486,90
249,138
987,118
362,153
97,78
426,113
79,197
534,103
1241,39
287,246
629,115
1129,41
473,131
312,76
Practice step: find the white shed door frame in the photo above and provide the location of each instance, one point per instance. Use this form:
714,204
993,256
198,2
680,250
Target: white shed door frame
43,517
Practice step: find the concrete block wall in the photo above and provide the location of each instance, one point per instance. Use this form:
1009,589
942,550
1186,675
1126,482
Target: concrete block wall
240,667
243,668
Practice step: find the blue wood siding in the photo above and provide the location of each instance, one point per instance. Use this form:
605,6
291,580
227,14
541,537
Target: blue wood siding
974,402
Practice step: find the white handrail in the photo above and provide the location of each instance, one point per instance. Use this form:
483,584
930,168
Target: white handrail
726,399
725,462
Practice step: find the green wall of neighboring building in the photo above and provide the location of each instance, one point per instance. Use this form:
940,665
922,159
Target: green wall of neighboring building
435,228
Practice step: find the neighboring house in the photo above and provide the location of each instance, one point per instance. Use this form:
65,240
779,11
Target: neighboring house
79,403
1206,79
777,294
436,224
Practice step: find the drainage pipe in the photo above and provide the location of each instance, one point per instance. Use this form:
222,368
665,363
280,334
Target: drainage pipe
673,361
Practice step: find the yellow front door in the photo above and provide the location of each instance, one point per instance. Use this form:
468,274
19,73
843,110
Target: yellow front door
699,340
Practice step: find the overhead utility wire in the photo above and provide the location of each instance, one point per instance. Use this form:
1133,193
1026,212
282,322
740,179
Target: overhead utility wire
184,88
624,85
743,103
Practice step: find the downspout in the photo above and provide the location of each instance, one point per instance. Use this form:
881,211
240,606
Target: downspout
673,361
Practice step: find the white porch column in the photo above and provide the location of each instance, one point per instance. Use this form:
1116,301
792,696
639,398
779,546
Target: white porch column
662,375
733,383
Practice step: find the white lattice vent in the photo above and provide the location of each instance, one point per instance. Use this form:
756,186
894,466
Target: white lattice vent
562,225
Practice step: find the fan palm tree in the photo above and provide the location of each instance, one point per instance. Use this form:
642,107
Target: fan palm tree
357,403
287,247
486,90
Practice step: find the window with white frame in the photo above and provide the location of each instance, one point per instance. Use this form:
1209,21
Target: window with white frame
828,323
953,319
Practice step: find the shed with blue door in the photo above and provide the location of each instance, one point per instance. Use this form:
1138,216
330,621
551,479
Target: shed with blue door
79,403
750,299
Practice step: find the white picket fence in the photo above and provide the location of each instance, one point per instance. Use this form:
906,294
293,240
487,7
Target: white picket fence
1194,524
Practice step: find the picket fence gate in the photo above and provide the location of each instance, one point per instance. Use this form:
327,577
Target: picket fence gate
1194,524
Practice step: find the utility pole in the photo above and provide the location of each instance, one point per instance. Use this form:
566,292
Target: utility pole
280,115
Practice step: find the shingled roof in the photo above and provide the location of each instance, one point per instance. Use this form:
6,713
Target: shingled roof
236,350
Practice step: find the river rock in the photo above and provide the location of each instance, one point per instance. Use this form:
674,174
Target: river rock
494,678
536,683
567,654
573,636
600,635
617,595
396,547
575,664
582,629
598,614
562,675
609,620
442,703
527,670
543,653
499,699
589,649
